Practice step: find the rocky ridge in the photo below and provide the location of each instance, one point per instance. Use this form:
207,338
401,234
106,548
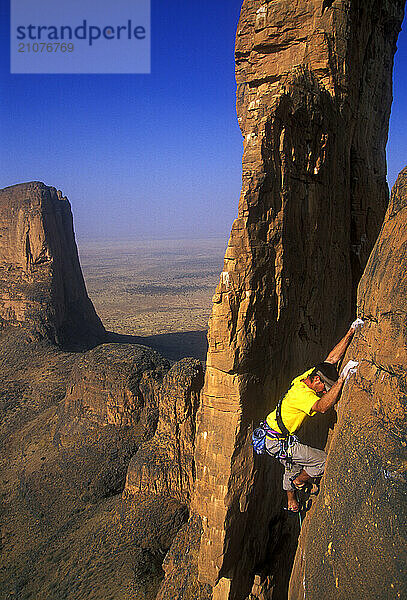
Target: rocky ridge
165,464
114,383
70,425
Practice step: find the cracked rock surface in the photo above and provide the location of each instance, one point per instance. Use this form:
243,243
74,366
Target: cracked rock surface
165,464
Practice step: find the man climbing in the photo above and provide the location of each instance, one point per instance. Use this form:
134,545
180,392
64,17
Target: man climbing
315,391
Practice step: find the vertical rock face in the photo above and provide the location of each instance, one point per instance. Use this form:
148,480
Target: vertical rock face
165,464
353,543
41,281
313,102
180,566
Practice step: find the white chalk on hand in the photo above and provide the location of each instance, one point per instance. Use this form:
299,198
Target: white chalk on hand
350,372
348,369
357,324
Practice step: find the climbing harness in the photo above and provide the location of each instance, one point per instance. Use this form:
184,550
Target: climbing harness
285,438
286,442
279,419
285,450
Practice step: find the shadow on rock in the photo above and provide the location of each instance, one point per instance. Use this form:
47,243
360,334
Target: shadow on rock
173,346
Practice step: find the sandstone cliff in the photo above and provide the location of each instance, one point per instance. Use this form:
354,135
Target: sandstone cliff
42,286
110,408
70,425
313,101
165,464
354,541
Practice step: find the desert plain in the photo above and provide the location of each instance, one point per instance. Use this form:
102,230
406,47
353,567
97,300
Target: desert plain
159,291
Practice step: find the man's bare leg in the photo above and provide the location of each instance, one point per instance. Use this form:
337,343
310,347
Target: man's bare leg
301,478
292,503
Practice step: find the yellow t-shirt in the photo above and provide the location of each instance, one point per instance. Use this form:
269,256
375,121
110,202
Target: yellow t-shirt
296,405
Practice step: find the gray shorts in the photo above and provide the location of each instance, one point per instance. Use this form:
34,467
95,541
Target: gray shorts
310,459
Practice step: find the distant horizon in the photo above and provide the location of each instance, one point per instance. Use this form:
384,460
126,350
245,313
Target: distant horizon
151,239
218,239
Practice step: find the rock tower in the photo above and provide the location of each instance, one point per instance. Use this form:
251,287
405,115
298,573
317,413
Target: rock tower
314,91
42,286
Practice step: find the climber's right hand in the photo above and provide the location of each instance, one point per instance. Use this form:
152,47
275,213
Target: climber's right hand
348,370
357,324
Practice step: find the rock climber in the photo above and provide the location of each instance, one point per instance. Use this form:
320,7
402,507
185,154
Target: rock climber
315,391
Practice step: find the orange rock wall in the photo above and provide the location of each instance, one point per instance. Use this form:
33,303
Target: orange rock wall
353,544
114,383
313,101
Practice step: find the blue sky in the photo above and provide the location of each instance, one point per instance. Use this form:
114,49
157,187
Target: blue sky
147,155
